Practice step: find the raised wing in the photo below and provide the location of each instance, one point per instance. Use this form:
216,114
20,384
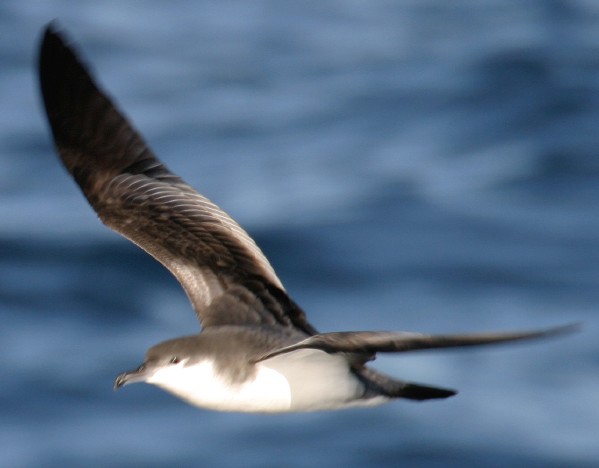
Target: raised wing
135,194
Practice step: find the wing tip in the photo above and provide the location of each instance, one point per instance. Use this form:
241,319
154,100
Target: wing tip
567,329
67,87
56,61
53,40
52,28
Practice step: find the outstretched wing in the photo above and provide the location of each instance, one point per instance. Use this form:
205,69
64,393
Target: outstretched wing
136,195
370,343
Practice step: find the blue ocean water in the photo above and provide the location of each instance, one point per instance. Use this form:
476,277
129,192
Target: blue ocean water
428,166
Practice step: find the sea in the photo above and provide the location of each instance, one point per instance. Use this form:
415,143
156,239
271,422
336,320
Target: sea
417,165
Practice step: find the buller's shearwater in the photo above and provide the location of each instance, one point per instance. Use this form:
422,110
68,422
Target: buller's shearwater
256,352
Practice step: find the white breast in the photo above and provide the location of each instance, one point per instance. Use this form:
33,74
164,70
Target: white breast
201,385
303,380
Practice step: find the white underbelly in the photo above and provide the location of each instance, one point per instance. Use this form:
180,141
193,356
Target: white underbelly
202,386
304,380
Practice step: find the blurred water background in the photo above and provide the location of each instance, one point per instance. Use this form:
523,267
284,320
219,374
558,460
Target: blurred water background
416,165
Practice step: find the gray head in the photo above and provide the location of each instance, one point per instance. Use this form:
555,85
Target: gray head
171,353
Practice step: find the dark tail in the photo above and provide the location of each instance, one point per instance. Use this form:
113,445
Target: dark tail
381,384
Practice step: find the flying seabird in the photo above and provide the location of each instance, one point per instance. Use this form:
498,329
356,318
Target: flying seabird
256,351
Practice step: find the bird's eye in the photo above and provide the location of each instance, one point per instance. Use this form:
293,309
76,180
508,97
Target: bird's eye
175,360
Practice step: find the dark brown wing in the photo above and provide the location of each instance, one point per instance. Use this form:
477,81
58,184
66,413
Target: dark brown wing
137,196
370,343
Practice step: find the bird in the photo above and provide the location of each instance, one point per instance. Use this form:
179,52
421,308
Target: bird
256,351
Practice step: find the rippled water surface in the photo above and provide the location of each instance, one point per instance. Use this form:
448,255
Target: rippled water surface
428,166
